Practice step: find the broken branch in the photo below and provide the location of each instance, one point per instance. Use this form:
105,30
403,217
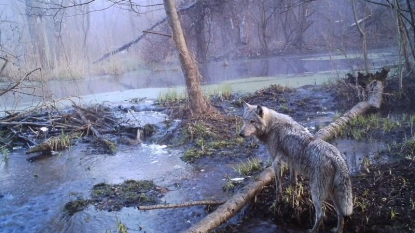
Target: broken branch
187,204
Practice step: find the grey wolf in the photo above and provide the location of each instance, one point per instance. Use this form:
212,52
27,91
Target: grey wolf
319,161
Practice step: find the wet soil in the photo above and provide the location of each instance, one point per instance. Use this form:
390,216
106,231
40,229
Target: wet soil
384,193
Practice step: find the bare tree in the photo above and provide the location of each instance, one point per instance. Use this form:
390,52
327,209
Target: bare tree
201,45
198,103
412,23
362,35
266,9
38,33
295,20
57,29
302,24
86,23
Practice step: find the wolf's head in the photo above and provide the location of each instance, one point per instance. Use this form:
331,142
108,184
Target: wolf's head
254,120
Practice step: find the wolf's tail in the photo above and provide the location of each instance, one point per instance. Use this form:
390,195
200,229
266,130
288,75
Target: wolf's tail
345,195
343,189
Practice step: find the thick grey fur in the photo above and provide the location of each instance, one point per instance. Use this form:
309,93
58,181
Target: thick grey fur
319,161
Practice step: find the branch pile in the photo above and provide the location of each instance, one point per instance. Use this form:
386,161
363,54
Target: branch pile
51,130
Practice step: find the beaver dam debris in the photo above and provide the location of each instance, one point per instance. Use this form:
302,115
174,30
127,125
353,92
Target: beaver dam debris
47,130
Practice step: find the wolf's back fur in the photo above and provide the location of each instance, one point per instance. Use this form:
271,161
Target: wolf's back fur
316,159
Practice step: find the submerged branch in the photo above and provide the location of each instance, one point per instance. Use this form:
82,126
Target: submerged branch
187,204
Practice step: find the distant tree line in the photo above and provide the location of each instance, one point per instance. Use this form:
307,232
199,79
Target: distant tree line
52,31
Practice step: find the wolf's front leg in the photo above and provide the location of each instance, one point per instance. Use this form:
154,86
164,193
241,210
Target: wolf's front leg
293,175
277,170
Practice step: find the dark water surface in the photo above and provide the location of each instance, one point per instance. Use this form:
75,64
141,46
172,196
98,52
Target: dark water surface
32,195
245,75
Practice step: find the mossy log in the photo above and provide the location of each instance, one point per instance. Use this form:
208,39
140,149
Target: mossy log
243,197
42,147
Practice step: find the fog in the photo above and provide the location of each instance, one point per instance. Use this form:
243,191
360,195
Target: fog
66,38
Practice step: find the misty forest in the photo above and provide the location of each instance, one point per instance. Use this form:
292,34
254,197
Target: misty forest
124,115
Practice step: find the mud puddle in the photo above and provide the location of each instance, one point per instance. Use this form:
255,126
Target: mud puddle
33,194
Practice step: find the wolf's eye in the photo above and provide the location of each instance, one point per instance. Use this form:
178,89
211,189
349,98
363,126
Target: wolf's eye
252,122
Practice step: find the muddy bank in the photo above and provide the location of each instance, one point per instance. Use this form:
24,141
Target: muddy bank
383,188
383,185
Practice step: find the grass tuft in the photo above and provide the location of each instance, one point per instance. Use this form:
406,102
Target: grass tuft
248,167
171,96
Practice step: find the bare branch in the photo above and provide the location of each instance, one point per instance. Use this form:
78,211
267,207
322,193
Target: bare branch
4,65
128,45
19,82
156,33
187,204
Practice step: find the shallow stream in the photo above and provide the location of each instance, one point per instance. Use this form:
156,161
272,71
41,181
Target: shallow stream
33,194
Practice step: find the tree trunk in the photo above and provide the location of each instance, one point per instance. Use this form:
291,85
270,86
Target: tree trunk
57,30
129,44
201,46
300,28
244,196
37,31
198,103
362,35
86,24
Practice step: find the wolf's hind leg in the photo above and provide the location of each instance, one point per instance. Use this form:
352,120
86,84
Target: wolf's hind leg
340,224
318,198
340,217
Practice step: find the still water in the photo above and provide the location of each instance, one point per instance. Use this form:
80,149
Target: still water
32,195
246,75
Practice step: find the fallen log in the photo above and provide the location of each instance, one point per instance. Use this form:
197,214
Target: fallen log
43,147
232,206
374,92
55,143
186,204
243,197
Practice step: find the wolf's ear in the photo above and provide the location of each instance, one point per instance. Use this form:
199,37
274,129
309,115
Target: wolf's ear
260,111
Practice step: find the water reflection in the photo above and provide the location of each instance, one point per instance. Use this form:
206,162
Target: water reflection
213,73
33,194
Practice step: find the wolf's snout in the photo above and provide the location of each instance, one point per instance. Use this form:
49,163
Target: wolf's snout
241,134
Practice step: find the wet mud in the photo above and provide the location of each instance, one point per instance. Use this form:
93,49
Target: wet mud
384,189
383,180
